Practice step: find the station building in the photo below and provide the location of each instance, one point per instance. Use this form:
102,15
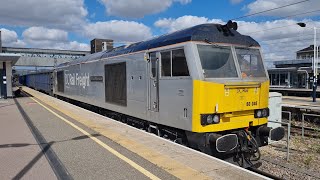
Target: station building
7,60
295,73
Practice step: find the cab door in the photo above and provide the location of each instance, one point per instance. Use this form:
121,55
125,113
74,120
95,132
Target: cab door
153,82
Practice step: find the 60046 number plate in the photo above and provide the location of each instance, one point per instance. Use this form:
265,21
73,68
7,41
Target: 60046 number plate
253,103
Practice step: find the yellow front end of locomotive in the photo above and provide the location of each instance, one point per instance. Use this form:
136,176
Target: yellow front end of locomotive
233,102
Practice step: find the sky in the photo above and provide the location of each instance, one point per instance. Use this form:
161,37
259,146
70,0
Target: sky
71,24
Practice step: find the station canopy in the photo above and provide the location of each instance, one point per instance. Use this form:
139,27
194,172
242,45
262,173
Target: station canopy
7,57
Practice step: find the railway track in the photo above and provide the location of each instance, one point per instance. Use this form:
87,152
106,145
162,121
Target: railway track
308,131
286,171
264,173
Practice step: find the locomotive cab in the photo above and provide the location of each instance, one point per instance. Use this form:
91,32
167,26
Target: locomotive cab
230,100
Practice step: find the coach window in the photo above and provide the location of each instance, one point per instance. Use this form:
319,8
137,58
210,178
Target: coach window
166,63
179,63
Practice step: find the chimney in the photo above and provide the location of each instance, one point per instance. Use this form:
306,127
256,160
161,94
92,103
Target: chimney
98,45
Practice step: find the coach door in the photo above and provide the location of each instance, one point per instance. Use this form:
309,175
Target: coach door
153,83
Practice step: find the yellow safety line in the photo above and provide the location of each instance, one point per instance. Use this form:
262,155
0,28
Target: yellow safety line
114,152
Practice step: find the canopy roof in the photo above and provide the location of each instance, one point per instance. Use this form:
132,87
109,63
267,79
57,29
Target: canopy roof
9,57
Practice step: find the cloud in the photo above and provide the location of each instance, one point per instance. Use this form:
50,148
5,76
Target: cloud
68,14
41,33
235,1
279,39
138,8
118,31
70,45
170,24
41,37
262,5
10,38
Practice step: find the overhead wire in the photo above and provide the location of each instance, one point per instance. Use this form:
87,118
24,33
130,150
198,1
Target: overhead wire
288,16
292,40
268,10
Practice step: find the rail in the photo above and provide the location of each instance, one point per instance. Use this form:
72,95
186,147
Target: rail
303,119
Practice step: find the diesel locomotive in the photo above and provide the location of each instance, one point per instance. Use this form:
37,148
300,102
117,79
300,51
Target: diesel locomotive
205,87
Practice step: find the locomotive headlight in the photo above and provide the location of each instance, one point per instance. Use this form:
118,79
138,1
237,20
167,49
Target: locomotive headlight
265,113
207,119
259,113
216,119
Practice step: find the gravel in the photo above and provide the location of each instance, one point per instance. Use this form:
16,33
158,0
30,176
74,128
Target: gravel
304,159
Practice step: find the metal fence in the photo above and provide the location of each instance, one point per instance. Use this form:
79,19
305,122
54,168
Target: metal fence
289,127
288,133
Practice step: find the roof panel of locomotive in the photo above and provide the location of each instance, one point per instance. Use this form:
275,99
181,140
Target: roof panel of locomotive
205,32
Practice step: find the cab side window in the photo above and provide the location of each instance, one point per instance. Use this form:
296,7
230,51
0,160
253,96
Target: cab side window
166,63
174,63
179,63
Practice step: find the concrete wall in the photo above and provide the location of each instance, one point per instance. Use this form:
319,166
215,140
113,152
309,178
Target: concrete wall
9,78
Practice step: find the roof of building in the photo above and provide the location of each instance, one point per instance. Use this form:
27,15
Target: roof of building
211,33
38,50
307,49
9,57
293,62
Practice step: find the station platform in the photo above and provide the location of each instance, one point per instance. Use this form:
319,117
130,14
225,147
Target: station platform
300,103
42,137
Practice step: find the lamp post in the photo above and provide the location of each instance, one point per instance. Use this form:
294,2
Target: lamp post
315,66
314,63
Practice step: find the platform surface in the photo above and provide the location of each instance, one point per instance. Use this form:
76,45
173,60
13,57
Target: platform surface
20,154
301,102
79,144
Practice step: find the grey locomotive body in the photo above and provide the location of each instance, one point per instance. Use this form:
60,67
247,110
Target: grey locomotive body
132,84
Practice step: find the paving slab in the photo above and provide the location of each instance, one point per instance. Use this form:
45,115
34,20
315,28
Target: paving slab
20,155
